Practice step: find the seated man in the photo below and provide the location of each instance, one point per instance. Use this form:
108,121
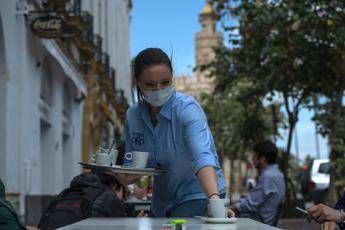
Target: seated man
89,195
8,216
263,202
327,216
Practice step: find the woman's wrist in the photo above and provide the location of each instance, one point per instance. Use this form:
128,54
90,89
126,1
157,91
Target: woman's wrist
213,196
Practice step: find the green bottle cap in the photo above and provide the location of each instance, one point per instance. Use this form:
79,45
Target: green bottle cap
178,221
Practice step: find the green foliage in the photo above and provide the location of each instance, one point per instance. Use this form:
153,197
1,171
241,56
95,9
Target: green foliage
294,49
237,121
330,118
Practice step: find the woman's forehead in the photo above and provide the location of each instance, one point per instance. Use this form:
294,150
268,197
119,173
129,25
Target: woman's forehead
156,72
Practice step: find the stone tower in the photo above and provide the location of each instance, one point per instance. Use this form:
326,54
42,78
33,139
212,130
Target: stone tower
207,38
205,41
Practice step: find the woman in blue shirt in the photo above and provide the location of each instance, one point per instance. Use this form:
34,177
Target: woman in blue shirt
172,127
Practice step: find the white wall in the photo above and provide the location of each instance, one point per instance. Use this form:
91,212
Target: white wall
3,104
32,163
35,160
112,21
12,103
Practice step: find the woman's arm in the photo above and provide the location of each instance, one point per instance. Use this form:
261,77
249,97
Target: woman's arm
209,182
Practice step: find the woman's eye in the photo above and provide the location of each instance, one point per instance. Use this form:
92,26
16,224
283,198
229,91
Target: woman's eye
165,82
150,85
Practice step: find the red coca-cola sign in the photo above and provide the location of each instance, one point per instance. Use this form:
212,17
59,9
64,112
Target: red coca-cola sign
47,26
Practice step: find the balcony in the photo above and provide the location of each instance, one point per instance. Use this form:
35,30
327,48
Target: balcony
74,22
85,42
55,5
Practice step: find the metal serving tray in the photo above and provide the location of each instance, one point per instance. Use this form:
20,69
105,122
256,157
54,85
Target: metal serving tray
121,169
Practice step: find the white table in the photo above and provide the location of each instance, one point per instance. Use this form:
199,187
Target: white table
145,223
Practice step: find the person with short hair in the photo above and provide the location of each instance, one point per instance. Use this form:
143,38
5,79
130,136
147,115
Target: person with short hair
264,201
89,195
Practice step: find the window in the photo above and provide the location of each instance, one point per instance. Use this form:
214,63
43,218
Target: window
46,84
66,111
324,168
66,100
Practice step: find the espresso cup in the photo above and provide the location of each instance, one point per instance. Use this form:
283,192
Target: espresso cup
219,208
139,159
103,159
114,153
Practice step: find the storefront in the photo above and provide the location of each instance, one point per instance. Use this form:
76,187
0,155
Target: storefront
47,52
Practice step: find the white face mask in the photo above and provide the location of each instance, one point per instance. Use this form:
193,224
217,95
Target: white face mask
159,97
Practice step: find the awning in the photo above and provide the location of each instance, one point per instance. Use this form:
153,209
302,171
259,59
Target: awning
69,69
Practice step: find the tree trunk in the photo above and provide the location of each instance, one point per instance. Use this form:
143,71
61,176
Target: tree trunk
286,156
332,192
231,182
334,140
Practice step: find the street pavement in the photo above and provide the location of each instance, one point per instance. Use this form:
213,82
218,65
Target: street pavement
297,223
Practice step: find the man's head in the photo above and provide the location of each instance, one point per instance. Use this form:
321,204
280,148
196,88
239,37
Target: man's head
264,153
112,183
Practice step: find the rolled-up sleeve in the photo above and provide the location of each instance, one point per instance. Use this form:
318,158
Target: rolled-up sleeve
197,137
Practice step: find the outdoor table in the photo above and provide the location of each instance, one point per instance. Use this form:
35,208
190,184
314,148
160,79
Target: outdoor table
145,223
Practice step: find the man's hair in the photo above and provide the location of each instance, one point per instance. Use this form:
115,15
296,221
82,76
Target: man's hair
268,150
109,181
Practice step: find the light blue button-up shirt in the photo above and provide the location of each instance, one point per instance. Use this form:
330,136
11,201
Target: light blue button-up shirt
181,142
264,199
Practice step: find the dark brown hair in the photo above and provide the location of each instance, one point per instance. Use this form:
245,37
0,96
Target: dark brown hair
268,150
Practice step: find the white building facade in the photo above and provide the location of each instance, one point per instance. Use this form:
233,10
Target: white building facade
112,20
41,104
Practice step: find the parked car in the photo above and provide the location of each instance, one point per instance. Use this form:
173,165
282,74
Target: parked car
319,180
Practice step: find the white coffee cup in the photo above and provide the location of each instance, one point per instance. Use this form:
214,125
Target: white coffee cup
139,159
103,159
219,208
114,153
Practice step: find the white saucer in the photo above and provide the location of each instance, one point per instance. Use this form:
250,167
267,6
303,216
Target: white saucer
219,220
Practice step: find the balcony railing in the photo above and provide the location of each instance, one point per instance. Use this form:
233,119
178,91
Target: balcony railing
88,32
98,43
77,7
112,76
85,41
55,5
105,61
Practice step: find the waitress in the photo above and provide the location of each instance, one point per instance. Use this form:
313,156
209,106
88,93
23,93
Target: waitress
172,127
